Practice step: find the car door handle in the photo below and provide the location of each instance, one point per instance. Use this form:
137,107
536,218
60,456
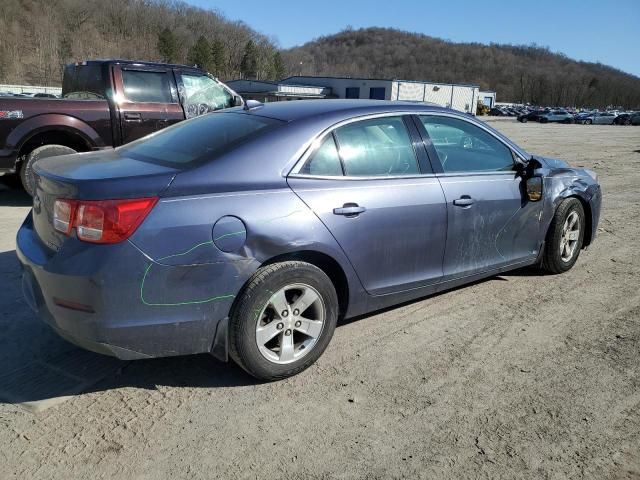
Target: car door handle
133,116
349,210
464,201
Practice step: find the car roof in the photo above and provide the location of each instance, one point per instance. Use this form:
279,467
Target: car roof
301,109
324,113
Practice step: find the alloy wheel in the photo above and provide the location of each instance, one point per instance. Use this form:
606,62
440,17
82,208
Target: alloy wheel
290,324
570,236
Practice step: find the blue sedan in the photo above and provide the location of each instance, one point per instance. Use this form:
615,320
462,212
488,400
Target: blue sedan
248,233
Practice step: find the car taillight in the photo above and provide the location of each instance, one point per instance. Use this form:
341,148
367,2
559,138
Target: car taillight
102,221
63,213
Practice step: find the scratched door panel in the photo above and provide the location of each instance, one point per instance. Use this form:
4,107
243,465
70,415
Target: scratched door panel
398,241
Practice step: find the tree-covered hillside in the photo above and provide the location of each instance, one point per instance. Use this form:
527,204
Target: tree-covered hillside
40,36
518,73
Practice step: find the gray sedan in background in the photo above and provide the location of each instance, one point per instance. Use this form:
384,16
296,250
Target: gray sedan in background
599,118
557,116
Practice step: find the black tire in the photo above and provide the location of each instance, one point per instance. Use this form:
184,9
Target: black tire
243,347
552,261
544,120
524,120
26,169
588,121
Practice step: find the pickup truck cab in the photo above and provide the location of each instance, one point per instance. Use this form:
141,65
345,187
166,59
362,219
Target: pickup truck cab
104,104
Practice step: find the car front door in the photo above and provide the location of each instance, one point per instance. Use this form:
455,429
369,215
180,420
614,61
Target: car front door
371,184
200,94
490,222
147,100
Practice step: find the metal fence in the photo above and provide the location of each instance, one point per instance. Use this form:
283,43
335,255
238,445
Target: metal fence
29,89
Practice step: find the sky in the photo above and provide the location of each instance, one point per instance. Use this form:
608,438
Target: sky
605,31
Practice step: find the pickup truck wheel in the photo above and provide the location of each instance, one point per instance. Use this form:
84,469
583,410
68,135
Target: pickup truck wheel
26,170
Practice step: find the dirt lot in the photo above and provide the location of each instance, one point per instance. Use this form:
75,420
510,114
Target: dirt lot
519,376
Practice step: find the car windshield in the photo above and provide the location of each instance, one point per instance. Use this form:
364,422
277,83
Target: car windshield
200,139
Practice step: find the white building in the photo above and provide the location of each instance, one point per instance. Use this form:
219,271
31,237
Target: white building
488,98
457,96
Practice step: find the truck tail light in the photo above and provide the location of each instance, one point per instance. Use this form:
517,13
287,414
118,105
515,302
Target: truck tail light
102,221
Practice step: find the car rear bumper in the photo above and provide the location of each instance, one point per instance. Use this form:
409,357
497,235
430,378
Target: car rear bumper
92,297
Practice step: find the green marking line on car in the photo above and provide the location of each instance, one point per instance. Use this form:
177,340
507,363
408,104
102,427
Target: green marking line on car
176,304
240,232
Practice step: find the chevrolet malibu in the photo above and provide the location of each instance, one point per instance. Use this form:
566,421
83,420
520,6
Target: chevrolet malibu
248,233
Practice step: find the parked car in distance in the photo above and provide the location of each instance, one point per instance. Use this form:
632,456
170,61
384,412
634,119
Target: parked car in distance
44,95
247,233
624,118
105,104
580,117
533,116
558,116
599,118
497,112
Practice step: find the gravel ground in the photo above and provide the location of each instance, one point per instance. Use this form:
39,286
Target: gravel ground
519,376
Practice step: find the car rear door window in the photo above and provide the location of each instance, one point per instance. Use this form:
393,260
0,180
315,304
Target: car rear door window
464,147
379,147
324,161
147,86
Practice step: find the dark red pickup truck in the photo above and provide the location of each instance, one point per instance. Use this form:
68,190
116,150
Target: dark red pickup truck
105,104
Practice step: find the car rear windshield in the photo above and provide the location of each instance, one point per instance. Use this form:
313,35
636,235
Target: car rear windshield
198,140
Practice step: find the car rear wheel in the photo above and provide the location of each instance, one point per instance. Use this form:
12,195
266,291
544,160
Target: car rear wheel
524,120
283,320
588,121
27,176
565,237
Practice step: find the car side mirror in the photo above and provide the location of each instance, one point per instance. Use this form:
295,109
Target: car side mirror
237,101
534,188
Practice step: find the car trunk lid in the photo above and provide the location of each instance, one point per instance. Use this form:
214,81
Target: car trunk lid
103,175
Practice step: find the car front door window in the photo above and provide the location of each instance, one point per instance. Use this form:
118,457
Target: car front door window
202,95
464,147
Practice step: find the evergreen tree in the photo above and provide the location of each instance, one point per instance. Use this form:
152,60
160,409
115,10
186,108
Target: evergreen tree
218,57
168,46
279,69
200,54
249,64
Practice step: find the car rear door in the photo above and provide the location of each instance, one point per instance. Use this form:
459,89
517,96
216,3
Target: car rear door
370,183
490,223
147,100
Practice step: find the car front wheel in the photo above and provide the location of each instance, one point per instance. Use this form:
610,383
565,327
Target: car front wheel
565,237
283,320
